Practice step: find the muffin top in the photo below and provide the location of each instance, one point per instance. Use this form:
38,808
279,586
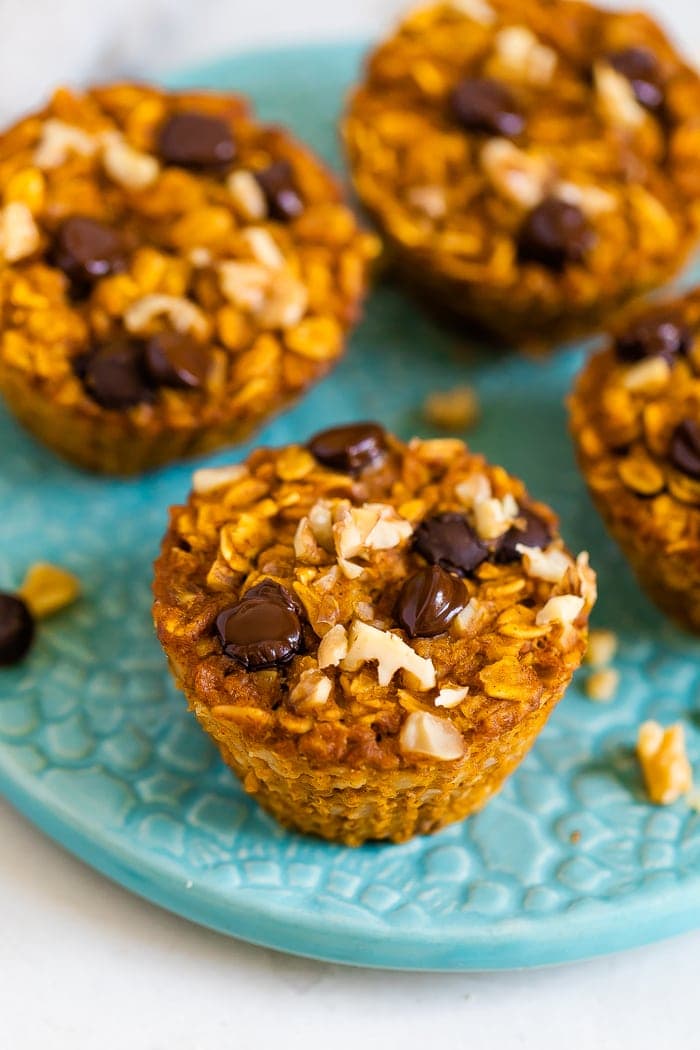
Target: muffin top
546,146
366,601
165,256
635,413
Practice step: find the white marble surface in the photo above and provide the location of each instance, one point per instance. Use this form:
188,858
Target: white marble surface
85,965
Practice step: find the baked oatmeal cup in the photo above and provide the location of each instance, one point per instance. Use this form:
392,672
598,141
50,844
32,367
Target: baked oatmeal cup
172,273
531,164
635,419
372,632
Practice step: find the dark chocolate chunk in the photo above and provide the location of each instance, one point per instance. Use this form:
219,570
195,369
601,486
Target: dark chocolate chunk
553,234
481,104
652,335
16,629
428,602
448,540
277,183
86,250
350,449
263,629
535,533
114,374
196,140
684,450
640,66
175,359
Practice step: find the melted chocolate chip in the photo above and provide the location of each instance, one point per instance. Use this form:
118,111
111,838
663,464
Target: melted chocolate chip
282,196
449,541
486,105
428,602
196,140
535,533
554,233
263,629
641,68
684,450
114,374
16,629
650,336
350,449
86,250
174,359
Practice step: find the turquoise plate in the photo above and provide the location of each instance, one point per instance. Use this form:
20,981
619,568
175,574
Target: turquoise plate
97,748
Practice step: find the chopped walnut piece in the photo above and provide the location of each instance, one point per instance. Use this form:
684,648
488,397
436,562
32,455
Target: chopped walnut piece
127,166
564,608
474,489
19,234
182,314
333,647
207,479
264,247
616,97
648,377
478,10
602,685
247,195
58,140
515,174
551,564
493,517
522,55
367,643
592,200
664,762
48,588
451,695
373,526
426,734
312,690
456,409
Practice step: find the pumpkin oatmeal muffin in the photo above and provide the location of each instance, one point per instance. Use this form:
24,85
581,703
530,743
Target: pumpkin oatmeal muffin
532,164
635,418
172,273
372,632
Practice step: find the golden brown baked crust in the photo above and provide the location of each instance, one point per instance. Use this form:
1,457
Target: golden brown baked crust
452,202
319,741
624,415
272,299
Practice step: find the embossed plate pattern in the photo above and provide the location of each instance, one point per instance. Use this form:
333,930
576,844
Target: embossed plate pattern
96,745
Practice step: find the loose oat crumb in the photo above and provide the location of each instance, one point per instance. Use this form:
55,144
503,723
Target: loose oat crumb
602,685
48,588
602,646
665,766
456,409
